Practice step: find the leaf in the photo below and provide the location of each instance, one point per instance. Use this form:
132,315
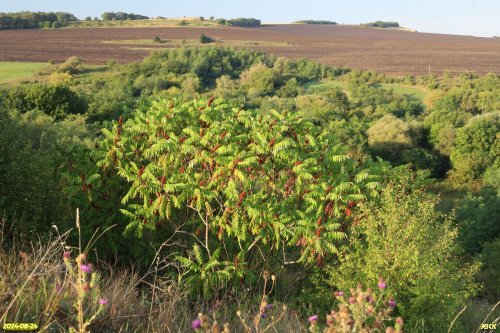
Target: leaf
339,158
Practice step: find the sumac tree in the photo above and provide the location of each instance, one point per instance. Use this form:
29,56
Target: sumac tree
231,184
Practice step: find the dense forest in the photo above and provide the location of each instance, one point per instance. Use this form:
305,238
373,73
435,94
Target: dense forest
232,185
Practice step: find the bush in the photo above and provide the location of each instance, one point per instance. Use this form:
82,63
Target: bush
477,147
32,150
389,137
414,247
206,159
259,80
490,275
73,65
57,101
477,217
56,25
290,89
244,22
381,24
204,39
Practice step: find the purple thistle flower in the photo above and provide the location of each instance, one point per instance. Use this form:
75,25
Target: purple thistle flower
392,303
339,293
66,255
269,306
263,315
196,324
103,301
86,268
381,284
313,318
352,300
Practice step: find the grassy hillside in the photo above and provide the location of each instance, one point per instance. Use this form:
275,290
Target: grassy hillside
191,22
253,189
15,71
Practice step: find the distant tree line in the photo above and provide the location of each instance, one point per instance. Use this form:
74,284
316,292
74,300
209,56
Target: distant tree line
381,24
315,22
120,16
240,22
35,20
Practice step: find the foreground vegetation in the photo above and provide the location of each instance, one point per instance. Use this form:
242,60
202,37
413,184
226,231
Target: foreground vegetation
223,182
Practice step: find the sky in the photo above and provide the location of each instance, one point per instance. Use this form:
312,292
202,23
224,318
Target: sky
462,17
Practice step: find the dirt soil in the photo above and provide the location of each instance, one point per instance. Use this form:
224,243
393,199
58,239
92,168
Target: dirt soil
393,52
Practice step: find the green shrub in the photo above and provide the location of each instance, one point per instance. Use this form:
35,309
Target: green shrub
381,24
414,247
244,22
389,137
477,147
57,101
72,65
490,275
32,149
204,39
477,216
259,80
209,169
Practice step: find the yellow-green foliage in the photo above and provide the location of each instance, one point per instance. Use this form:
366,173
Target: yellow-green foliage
389,136
477,146
414,247
242,179
258,80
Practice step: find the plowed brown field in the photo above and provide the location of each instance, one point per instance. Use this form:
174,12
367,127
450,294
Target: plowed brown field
387,51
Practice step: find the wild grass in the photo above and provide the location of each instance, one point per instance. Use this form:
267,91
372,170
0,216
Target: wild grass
319,86
187,22
417,92
12,71
52,284
48,282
